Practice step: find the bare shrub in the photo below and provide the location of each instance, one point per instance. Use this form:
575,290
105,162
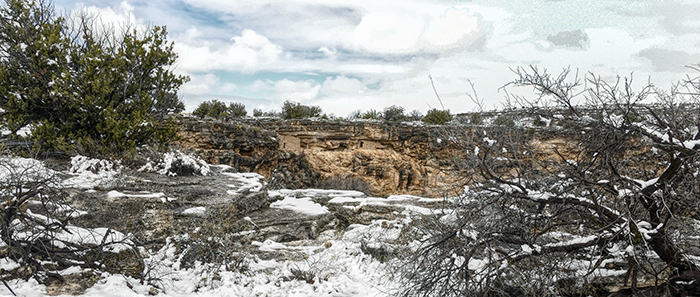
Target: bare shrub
36,231
548,212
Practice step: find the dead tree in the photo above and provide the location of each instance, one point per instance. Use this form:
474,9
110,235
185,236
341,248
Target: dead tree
609,187
35,229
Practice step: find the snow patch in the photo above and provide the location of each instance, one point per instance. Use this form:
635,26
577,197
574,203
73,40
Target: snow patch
195,211
302,205
89,173
245,182
176,161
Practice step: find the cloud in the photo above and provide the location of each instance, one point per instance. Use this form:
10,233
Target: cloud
341,85
388,32
379,53
670,60
329,53
455,27
248,52
298,91
576,39
119,17
228,87
200,84
258,85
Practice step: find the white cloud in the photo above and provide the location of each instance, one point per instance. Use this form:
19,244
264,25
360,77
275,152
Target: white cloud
342,85
200,84
258,85
248,52
387,31
228,87
118,17
296,90
454,27
375,68
329,53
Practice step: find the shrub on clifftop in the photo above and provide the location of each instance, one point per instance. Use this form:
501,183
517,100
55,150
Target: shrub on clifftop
295,110
436,116
218,110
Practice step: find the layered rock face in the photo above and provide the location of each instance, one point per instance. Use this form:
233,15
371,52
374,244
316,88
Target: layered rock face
389,158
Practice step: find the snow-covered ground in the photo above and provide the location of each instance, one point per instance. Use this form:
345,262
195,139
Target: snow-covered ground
331,265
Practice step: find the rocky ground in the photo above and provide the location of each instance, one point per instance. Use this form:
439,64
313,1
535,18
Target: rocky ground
227,233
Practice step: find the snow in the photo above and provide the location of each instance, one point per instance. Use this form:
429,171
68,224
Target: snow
116,241
645,184
691,144
269,245
165,165
539,196
412,209
302,205
29,167
116,194
245,182
88,173
196,211
490,141
7,264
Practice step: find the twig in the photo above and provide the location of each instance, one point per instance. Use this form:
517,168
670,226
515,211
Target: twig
436,92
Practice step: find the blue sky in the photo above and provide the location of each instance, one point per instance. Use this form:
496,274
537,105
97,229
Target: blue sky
345,55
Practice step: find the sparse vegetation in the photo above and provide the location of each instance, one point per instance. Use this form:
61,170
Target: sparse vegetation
415,115
237,110
394,113
218,110
77,86
476,119
436,116
372,115
295,110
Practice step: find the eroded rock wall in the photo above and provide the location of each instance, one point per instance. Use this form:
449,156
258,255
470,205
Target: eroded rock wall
391,158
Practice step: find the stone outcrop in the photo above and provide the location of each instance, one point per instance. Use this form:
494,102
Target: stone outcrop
390,157
246,148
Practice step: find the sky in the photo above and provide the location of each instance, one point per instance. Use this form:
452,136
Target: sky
345,55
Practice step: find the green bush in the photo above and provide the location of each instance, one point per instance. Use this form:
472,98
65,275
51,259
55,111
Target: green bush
295,110
415,115
218,110
214,108
436,116
394,113
371,115
79,87
476,119
257,113
237,110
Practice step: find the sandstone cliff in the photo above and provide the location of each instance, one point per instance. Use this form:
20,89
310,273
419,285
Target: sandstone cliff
390,158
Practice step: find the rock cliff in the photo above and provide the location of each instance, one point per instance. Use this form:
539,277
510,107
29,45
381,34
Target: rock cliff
389,158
